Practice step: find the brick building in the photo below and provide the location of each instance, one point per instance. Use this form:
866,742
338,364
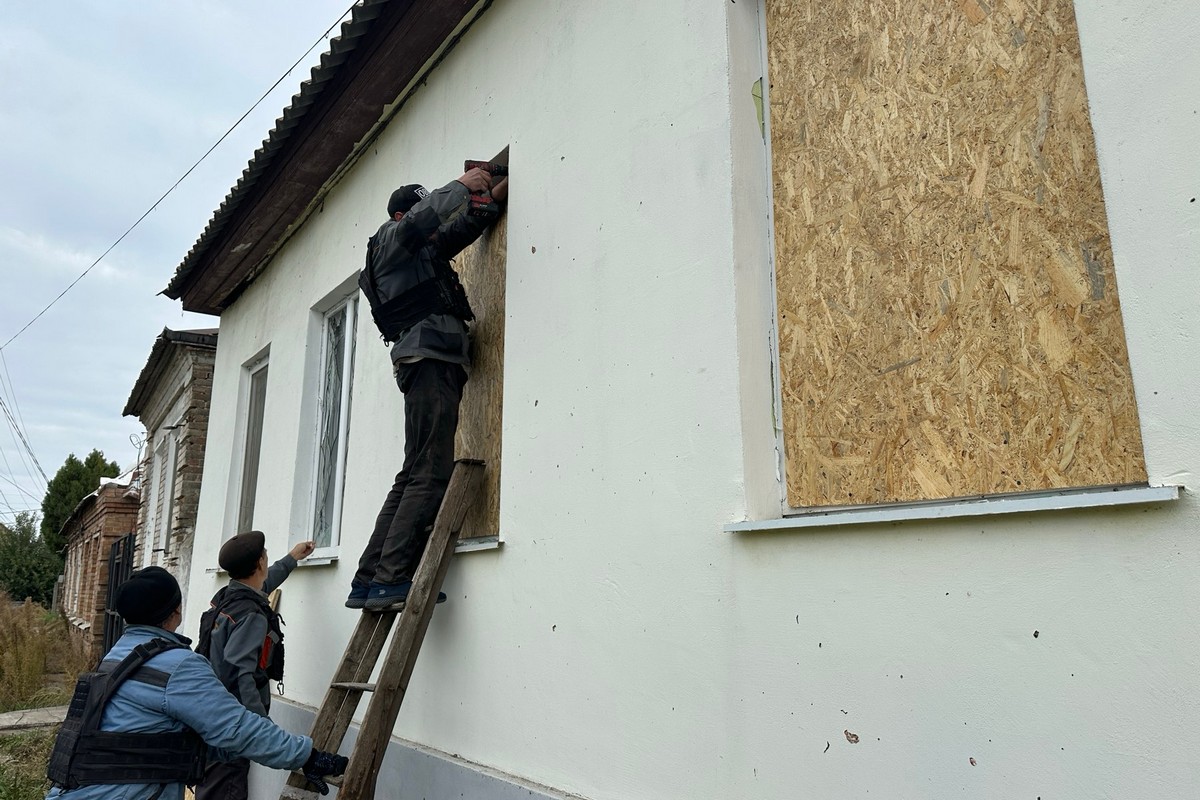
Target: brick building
100,519
171,398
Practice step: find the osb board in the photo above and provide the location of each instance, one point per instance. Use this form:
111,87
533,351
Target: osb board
482,270
947,309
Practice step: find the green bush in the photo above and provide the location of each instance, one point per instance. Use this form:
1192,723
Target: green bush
28,567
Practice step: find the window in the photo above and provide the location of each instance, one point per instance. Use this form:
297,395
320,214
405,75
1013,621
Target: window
256,402
948,319
333,420
153,469
164,491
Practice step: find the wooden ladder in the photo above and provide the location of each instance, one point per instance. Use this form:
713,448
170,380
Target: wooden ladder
351,679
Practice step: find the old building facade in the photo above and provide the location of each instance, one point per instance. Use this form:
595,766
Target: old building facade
171,398
792,304
97,523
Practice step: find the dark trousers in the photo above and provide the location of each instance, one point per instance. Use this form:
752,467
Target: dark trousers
432,392
225,780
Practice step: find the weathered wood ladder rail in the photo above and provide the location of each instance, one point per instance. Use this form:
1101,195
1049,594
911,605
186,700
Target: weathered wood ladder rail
351,679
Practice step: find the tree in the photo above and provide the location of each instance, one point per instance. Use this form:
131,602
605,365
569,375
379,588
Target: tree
74,481
28,567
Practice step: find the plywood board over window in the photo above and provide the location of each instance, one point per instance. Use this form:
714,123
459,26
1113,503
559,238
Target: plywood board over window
482,269
947,310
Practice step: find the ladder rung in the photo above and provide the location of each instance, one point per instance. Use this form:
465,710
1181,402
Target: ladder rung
353,687
297,793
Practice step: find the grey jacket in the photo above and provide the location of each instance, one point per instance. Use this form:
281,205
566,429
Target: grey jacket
237,644
434,230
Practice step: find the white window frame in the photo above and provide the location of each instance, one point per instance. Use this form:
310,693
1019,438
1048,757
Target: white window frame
164,498
236,494
347,307
788,518
150,489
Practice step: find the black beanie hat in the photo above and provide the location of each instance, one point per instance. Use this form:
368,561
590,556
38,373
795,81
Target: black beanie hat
239,556
406,197
148,596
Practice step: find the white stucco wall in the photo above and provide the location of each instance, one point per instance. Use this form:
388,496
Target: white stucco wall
620,645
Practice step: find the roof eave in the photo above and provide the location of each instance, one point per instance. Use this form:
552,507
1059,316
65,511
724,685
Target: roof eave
386,48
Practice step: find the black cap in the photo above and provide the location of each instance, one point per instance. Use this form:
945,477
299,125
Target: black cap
239,556
148,596
406,197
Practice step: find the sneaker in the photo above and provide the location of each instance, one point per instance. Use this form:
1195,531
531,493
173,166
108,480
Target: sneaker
391,596
358,595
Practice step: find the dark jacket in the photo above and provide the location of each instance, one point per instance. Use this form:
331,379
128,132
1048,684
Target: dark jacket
237,644
414,257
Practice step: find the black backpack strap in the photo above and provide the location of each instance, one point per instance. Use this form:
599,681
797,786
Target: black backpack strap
137,658
135,661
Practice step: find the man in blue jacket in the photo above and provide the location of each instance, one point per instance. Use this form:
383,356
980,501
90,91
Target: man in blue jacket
175,691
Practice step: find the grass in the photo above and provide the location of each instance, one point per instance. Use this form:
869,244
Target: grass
38,666
38,660
23,759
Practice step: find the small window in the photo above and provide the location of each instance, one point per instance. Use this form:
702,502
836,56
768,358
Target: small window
333,424
146,535
255,406
164,498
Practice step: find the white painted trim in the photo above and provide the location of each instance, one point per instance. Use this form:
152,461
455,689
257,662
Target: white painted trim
975,507
773,333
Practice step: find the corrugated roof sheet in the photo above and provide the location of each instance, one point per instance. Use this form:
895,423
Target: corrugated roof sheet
353,31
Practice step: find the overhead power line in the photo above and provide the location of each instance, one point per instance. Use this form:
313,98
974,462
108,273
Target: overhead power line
20,428
208,152
19,488
21,436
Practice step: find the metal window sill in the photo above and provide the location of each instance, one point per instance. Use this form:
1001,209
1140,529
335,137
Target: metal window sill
974,507
477,544
473,545
317,561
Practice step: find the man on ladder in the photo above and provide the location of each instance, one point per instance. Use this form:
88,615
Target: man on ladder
422,311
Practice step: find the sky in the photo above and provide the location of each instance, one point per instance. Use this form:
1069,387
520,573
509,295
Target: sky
103,106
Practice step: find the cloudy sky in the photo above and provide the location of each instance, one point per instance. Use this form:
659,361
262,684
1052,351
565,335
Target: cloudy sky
103,106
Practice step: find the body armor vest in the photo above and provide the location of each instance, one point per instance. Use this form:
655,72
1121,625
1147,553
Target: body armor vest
84,755
441,294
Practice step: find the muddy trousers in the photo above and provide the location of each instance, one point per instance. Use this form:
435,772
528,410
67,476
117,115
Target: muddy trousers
432,392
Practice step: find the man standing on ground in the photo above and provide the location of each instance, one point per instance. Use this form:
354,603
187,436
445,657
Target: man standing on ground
146,740
422,311
242,637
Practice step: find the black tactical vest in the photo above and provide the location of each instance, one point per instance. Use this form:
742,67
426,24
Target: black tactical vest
84,755
441,294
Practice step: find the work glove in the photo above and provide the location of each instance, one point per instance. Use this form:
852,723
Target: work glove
320,764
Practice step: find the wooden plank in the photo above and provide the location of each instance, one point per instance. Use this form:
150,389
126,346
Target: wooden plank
482,267
948,317
359,780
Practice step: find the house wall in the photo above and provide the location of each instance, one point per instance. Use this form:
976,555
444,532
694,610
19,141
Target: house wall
180,397
620,645
90,536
